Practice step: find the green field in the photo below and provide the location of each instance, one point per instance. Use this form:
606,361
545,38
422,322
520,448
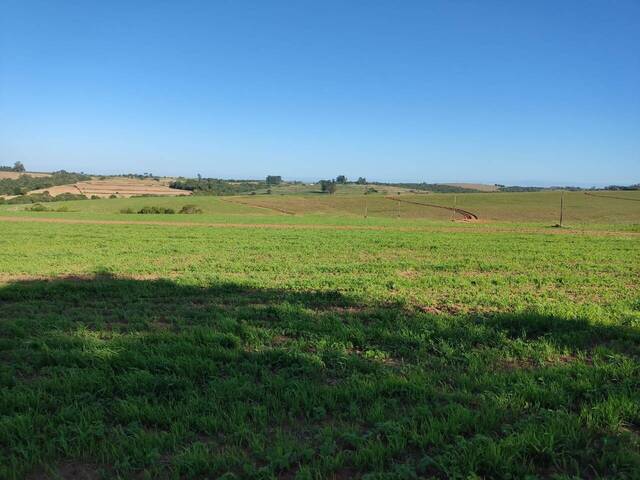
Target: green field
287,336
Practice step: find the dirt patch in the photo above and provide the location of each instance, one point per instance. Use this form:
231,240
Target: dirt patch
531,364
452,309
6,278
68,470
409,274
119,187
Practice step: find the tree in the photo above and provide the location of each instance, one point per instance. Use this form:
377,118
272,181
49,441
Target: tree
18,167
361,181
328,186
341,179
274,179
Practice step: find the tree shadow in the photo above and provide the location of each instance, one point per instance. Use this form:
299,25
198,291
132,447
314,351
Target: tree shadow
106,376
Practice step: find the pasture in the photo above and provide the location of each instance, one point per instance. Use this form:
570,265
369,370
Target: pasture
288,336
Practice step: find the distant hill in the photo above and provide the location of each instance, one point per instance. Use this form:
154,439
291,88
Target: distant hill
482,187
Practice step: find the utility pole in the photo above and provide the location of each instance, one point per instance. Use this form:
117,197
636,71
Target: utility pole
561,207
365,207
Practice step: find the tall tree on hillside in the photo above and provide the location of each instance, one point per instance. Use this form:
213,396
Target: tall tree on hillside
18,167
274,179
341,179
361,181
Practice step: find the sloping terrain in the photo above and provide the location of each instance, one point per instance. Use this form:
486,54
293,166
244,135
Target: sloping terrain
121,187
14,175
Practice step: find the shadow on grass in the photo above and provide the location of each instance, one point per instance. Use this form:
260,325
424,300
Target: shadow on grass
106,376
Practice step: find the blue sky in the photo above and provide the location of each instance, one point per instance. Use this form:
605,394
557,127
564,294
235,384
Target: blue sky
542,92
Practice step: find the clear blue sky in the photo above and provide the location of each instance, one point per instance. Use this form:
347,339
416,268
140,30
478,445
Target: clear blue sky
492,91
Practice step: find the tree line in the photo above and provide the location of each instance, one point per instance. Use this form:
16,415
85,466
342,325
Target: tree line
216,186
17,167
26,183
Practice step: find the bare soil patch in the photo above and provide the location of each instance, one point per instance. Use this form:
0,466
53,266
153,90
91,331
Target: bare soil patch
483,187
119,187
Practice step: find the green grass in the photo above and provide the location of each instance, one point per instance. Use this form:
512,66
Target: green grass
534,209
419,349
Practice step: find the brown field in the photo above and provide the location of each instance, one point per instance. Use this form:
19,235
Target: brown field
483,187
117,186
14,175
336,205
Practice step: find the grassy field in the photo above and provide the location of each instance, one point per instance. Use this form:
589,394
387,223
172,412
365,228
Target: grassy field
250,342
612,210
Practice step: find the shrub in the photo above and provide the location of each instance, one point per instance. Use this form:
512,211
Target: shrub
127,210
38,207
113,195
156,210
190,209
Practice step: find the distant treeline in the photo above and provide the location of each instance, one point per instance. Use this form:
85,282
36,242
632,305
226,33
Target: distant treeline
17,167
430,187
515,188
42,198
26,183
217,186
623,187
133,176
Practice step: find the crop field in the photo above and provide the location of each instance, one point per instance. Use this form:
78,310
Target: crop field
597,210
121,187
14,175
288,336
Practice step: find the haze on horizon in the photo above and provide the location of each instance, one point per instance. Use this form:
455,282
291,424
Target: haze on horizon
543,93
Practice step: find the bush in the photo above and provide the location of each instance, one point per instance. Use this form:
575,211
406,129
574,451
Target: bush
328,186
95,197
156,210
127,210
26,183
190,209
38,207
113,195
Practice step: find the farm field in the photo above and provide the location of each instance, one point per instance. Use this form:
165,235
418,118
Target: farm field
601,210
287,336
14,175
121,187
